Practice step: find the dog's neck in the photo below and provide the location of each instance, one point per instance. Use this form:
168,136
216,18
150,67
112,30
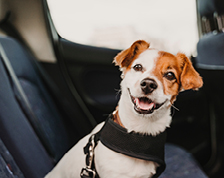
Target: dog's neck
116,117
153,124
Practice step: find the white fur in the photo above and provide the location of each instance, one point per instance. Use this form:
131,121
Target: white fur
111,164
152,123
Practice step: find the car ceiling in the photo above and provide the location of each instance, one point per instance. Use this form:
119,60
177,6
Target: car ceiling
27,17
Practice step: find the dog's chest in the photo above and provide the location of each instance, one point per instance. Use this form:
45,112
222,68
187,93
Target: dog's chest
112,164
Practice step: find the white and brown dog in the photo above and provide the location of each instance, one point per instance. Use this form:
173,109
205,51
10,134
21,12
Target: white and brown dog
151,81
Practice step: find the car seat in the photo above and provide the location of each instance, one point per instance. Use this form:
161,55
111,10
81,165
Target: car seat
16,128
210,63
30,137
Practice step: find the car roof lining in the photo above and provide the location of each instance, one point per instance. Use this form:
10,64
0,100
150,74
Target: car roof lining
27,17
4,8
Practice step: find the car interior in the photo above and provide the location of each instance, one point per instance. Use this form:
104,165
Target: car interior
54,91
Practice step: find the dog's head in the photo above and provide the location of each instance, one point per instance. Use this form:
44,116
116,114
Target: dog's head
152,79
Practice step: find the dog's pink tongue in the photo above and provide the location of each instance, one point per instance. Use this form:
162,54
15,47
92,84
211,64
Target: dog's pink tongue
144,105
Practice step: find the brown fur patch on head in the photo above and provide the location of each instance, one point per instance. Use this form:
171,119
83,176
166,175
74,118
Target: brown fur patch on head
125,58
185,75
167,62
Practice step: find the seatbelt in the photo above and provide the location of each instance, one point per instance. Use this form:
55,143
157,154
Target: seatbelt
56,93
9,29
24,102
56,45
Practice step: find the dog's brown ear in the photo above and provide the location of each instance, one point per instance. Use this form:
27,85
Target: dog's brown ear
190,79
126,57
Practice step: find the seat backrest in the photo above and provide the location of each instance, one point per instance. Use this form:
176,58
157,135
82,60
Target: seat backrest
18,135
41,103
16,128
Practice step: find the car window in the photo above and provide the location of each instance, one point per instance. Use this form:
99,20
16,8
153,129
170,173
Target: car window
167,24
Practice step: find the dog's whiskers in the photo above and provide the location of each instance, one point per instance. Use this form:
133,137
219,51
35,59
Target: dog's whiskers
175,107
118,92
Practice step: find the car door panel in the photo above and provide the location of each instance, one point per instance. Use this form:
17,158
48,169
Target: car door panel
94,76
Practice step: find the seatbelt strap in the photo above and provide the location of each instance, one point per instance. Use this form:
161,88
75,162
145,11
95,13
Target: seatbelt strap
14,77
64,104
24,102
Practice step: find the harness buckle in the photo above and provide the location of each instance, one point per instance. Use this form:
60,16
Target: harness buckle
88,172
91,152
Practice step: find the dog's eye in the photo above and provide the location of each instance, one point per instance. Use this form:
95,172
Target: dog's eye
170,76
138,67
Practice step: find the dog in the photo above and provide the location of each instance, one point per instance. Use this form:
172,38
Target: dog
151,81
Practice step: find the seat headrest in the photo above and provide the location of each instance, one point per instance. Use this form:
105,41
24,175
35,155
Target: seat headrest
208,7
210,52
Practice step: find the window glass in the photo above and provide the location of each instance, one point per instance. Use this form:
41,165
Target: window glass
167,24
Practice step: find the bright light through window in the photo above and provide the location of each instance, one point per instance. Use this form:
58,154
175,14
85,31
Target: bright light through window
167,24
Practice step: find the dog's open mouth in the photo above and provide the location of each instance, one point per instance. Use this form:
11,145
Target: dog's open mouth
144,105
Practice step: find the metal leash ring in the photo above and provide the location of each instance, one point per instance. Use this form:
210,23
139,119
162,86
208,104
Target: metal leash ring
87,171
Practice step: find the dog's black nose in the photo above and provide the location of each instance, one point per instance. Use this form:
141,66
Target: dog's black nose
148,85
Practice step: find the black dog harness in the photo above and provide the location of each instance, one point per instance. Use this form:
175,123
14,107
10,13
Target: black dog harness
116,138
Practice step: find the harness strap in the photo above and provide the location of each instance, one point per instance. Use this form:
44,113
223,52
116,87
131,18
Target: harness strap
116,138
145,147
